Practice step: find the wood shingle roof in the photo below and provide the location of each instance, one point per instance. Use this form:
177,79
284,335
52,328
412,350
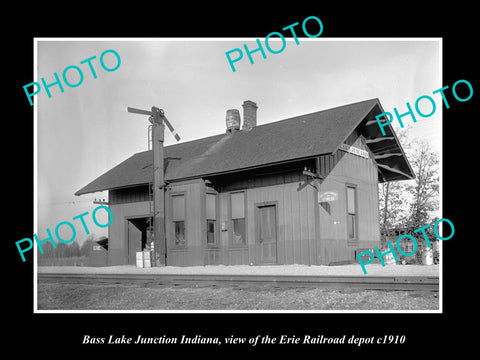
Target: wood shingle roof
299,137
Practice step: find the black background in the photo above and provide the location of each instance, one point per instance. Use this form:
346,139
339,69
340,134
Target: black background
60,335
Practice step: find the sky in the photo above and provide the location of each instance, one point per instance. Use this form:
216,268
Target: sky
86,130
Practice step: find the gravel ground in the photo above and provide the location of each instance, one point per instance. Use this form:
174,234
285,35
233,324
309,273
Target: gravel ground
350,270
54,296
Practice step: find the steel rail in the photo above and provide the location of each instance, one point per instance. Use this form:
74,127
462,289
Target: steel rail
393,283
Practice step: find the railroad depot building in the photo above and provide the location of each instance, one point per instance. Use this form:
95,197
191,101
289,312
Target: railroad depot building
297,191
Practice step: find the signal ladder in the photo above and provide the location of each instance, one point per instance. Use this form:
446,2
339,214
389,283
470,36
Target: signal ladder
150,191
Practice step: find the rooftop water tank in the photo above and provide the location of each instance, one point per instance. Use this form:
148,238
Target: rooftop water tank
232,119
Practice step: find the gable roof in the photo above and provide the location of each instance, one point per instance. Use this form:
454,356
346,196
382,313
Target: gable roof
299,137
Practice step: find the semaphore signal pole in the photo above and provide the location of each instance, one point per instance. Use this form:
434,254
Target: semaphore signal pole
158,119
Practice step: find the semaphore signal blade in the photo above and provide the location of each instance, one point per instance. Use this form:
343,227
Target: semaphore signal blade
139,111
170,127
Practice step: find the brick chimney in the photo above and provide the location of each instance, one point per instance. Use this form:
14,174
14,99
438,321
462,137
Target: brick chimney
249,115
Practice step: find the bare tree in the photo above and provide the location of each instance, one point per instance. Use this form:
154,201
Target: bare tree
390,204
391,196
425,186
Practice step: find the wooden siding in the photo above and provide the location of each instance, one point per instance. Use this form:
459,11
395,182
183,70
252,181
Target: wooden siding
275,176
128,195
193,253
307,232
117,231
340,169
296,242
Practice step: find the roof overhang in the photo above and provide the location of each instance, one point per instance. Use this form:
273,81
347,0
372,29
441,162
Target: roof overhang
392,162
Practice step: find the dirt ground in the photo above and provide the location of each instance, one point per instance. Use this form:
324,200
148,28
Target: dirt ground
294,269
56,296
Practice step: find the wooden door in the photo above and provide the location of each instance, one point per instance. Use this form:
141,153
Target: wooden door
267,234
134,239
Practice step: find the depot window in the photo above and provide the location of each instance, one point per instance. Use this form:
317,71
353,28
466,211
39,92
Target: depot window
178,204
352,212
238,218
211,202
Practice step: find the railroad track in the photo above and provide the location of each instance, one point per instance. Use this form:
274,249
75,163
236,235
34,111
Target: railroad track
400,283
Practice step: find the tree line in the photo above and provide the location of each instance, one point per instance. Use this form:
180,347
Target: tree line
72,249
412,203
